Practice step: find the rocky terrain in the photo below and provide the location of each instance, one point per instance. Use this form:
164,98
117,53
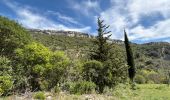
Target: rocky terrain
70,34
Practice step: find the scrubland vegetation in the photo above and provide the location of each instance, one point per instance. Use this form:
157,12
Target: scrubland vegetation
41,66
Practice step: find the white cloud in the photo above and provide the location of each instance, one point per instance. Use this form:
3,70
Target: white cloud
30,19
63,17
159,30
127,14
141,7
85,7
121,14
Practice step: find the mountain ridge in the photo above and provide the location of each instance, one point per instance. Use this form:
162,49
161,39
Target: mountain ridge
86,35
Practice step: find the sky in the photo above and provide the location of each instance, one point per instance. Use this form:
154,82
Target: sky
144,20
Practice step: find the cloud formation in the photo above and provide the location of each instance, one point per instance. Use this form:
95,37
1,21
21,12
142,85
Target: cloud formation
143,20
63,17
128,14
85,7
30,19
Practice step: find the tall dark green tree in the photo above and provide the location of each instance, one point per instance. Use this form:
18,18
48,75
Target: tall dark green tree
113,70
102,51
130,59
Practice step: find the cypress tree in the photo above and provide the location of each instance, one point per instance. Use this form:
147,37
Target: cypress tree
130,59
168,78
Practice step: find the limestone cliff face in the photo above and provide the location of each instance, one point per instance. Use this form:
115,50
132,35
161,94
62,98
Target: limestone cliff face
70,34
67,33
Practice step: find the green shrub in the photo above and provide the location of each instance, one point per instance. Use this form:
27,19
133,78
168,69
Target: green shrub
123,92
155,77
150,82
44,85
46,67
6,81
93,71
82,87
5,85
56,89
39,96
12,36
140,79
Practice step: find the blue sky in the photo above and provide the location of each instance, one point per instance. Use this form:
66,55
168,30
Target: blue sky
144,20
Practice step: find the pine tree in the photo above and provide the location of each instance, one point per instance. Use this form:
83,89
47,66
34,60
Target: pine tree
101,53
130,59
112,70
103,48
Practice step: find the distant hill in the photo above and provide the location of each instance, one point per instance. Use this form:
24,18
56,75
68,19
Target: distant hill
150,56
69,34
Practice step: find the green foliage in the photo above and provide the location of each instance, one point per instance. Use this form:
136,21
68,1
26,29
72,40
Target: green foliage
82,46
113,69
39,96
140,79
34,54
81,87
56,89
123,92
6,79
92,71
41,64
75,71
130,59
108,73
5,85
153,92
56,69
101,54
151,77
32,66
103,47
32,60
12,35
155,77
61,42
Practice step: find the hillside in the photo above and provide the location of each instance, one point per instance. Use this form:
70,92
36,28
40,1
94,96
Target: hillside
60,61
84,50
154,56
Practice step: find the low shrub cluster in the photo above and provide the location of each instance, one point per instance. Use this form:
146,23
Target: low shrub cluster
150,77
81,87
39,96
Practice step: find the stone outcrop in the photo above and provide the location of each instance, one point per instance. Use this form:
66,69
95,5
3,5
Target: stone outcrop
66,33
70,34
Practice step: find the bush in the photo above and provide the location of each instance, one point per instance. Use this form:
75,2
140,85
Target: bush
44,85
82,87
6,81
123,92
92,71
12,36
39,96
56,89
5,85
41,66
140,79
155,77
